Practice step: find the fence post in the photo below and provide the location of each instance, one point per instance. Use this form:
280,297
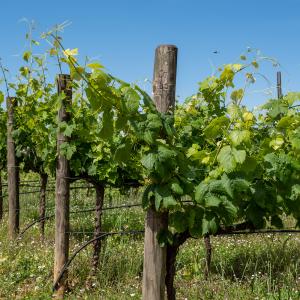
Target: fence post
12,173
164,83
98,226
42,204
279,88
62,190
1,196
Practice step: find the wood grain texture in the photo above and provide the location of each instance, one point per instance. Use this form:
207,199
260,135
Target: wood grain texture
12,174
1,197
154,269
62,191
98,228
42,204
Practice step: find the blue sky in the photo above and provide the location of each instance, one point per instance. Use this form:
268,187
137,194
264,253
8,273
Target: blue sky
123,36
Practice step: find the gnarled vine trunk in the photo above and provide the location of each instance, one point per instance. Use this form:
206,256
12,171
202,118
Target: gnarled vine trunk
172,251
171,271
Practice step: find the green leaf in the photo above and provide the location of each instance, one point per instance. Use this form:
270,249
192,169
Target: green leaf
163,195
154,121
122,154
169,201
227,185
26,55
237,95
178,220
95,101
292,97
240,185
285,122
149,137
200,191
214,129
226,159
276,107
69,129
193,151
239,155
209,226
149,160
249,165
76,72
255,64
212,200
234,111
132,100
295,141
230,209
147,195
295,192
121,122
94,66
169,125
239,136
165,154
67,150
107,129
176,188
229,157
92,170
277,142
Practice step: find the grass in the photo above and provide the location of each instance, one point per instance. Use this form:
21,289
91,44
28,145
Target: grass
243,267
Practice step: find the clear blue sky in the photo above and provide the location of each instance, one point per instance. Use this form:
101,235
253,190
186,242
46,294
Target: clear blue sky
124,33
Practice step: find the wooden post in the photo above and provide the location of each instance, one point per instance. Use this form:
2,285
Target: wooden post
12,174
279,88
208,249
62,190
1,197
98,226
154,272
42,204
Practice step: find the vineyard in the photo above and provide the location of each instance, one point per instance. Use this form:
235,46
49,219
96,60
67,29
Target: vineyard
107,192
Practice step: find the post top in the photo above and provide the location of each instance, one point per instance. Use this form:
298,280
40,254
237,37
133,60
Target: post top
166,46
61,76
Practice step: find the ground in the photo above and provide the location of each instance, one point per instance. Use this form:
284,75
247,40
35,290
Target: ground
243,267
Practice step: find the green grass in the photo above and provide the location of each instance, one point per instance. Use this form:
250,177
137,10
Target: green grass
243,267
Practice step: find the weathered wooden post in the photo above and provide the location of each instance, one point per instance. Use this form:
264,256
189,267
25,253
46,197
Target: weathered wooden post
98,226
1,197
12,173
164,83
279,88
62,190
208,249
42,204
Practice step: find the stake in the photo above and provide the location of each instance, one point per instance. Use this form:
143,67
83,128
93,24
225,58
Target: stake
62,191
12,174
154,272
42,206
279,89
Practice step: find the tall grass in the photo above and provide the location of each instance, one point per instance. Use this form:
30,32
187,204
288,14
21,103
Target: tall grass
243,267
